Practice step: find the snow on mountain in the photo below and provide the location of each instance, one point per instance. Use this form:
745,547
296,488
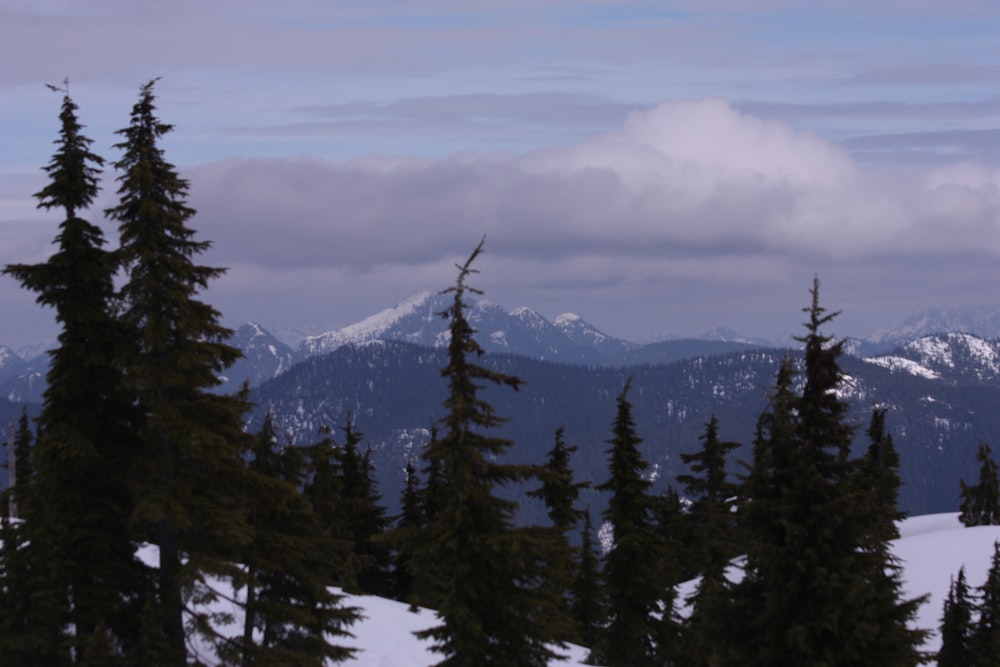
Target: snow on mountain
521,331
419,312
954,357
264,357
982,321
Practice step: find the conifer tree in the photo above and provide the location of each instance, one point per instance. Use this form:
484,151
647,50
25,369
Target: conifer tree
587,603
985,640
189,438
821,586
487,572
408,523
324,491
981,502
634,591
364,515
86,577
880,476
956,625
290,616
560,493
713,543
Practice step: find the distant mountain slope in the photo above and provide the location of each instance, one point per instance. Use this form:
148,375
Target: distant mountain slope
956,358
521,331
982,321
395,391
264,357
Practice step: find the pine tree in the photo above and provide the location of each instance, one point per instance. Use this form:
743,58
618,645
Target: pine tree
880,476
712,531
587,602
408,523
324,490
365,516
189,438
985,640
560,493
87,579
821,586
487,573
290,614
634,592
981,502
956,625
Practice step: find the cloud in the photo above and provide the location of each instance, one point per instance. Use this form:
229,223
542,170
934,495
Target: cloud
676,181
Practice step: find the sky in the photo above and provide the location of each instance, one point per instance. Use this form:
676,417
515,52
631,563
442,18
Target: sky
659,168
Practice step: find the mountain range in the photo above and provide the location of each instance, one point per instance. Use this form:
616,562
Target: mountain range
940,386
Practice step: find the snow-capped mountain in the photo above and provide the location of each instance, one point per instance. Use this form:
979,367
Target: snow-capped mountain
414,320
581,332
983,322
264,357
521,331
951,357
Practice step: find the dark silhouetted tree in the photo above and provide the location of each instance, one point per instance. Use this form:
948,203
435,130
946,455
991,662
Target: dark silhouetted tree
633,588
957,625
291,617
985,640
981,502
712,532
487,573
190,438
87,578
821,586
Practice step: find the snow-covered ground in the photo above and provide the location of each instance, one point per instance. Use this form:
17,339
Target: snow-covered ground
931,549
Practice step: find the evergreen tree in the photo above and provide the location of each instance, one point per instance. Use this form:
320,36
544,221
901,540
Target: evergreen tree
365,516
487,573
712,531
408,523
821,586
956,625
290,614
191,473
634,592
86,577
981,502
324,490
587,604
560,493
880,476
985,640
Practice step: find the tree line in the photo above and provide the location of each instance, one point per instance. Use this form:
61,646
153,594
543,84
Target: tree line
132,448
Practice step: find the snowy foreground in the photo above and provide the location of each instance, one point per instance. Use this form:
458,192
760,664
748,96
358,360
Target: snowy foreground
931,549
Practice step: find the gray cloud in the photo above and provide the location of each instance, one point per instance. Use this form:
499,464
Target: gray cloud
688,199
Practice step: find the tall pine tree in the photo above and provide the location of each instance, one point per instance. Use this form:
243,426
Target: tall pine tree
633,588
820,584
487,573
190,439
86,577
